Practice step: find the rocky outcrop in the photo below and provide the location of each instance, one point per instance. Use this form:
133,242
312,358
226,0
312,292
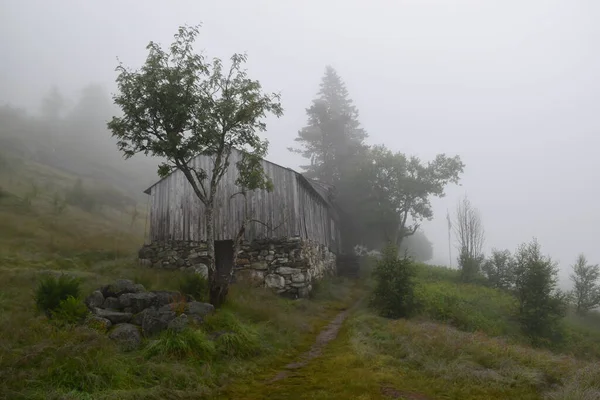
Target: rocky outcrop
287,265
134,312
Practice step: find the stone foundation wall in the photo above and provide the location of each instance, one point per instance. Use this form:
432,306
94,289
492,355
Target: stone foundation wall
185,256
287,265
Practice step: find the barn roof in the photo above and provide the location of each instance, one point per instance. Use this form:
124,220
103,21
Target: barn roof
314,186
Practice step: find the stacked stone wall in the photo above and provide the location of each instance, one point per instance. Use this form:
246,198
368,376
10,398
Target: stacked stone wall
287,265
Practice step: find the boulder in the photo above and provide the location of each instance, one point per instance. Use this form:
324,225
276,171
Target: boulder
138,318
164,297
155,321
274,281
95,299
179,323
98,323
137,301
122,286
198,309
115,317
127,336
298,277
200,269
111,303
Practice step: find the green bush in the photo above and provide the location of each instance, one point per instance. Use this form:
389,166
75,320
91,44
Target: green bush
393,295
194,285
70,311
52,290
182,345
541,305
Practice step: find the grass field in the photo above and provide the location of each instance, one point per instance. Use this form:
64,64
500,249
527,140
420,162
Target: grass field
464,344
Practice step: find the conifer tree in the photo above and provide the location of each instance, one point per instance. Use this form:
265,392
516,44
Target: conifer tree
333,137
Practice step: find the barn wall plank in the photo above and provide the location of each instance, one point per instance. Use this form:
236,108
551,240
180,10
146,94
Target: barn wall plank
291,209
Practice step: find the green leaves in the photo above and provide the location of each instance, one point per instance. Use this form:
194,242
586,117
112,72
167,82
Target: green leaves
179,105
400,188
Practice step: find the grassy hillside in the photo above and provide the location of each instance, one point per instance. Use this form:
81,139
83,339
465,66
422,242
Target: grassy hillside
464,343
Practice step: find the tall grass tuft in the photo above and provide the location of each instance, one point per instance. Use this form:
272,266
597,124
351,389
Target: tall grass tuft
52,290
194,285
186,344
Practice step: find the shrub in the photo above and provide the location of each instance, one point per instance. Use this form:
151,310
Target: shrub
470,267
541,305
70,311
52,290
499,269
393,296
186,344
194,285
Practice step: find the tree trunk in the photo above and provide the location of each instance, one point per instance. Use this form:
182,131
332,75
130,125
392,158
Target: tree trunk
223,271
210,243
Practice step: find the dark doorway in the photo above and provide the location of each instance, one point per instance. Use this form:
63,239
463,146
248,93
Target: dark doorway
223,267
224,255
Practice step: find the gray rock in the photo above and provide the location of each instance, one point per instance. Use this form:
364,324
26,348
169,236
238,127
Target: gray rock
111,303
127,336
98,323
137,301
298,277
259,265
299,284
288,271
200,269
304,291
95,299
122,286
179,323
164,297
138,318
115,317
274,281
145,252
155,321
199,309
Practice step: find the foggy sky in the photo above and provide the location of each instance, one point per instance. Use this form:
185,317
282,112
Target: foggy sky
511,86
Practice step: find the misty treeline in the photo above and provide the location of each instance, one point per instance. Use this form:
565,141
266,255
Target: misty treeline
71,135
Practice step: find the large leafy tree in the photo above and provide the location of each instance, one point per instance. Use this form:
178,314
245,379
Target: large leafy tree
333,136
397,190
180,105
586,290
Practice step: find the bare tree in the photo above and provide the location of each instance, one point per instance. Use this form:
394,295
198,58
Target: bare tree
470,235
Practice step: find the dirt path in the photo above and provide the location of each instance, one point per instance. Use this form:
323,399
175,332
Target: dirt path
328,334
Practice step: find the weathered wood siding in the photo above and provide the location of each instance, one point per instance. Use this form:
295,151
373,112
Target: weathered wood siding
293,208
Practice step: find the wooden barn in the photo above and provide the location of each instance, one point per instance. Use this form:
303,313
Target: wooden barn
294,238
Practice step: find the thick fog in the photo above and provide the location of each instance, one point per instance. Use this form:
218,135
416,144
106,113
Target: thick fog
513,87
